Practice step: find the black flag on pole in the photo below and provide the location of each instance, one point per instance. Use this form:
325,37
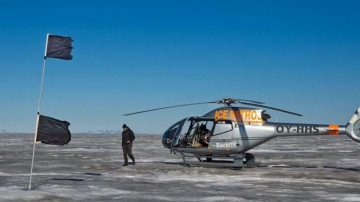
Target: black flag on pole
53,131
59,47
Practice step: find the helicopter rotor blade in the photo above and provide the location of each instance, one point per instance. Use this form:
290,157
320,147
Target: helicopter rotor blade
226,101
256,102
272,108
168,107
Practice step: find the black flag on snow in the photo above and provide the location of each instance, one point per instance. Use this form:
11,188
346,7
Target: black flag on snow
59,47
53,131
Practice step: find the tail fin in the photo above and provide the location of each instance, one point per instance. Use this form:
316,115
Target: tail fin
353,127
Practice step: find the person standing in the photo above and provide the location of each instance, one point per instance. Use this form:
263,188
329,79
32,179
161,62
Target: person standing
127,139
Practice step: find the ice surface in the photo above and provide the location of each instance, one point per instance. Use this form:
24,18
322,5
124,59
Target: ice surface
89,169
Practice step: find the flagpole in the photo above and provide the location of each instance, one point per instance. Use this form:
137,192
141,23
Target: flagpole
38,110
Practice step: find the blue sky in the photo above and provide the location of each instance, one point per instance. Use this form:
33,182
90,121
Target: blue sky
133,55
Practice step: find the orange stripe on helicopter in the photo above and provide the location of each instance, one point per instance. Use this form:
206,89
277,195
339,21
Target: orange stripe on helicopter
333,129
221,115
240,116
236,116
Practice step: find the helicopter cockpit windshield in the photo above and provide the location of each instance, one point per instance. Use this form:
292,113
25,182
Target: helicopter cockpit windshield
168,136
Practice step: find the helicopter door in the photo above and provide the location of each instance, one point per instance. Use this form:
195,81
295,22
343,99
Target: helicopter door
198,133
223,135
189,135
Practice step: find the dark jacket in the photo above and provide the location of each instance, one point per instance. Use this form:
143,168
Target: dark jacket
127,135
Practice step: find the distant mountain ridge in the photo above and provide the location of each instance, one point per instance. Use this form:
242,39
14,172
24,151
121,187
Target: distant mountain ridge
103,132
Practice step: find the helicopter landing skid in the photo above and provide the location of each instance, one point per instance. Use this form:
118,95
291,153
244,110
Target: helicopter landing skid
238,161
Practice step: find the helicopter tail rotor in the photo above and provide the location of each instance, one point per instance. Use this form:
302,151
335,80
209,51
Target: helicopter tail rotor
353,127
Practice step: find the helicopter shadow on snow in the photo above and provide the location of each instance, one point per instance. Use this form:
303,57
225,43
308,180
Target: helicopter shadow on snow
270,166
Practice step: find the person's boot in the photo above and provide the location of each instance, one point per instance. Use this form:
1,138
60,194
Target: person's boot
133,160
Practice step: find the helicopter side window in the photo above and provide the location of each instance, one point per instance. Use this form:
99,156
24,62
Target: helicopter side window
222,127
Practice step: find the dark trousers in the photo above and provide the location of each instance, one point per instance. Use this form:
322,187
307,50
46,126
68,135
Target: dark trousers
127,152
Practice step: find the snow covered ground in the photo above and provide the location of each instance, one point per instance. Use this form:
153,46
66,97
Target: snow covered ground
89,169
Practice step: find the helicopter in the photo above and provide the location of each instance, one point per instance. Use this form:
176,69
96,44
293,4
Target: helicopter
224,135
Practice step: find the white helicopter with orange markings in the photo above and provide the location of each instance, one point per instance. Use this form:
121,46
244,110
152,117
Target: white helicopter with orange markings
230,131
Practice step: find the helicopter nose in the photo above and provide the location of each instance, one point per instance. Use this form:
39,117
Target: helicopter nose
166,142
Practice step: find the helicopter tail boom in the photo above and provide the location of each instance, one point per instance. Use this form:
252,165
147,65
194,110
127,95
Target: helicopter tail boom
353,126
